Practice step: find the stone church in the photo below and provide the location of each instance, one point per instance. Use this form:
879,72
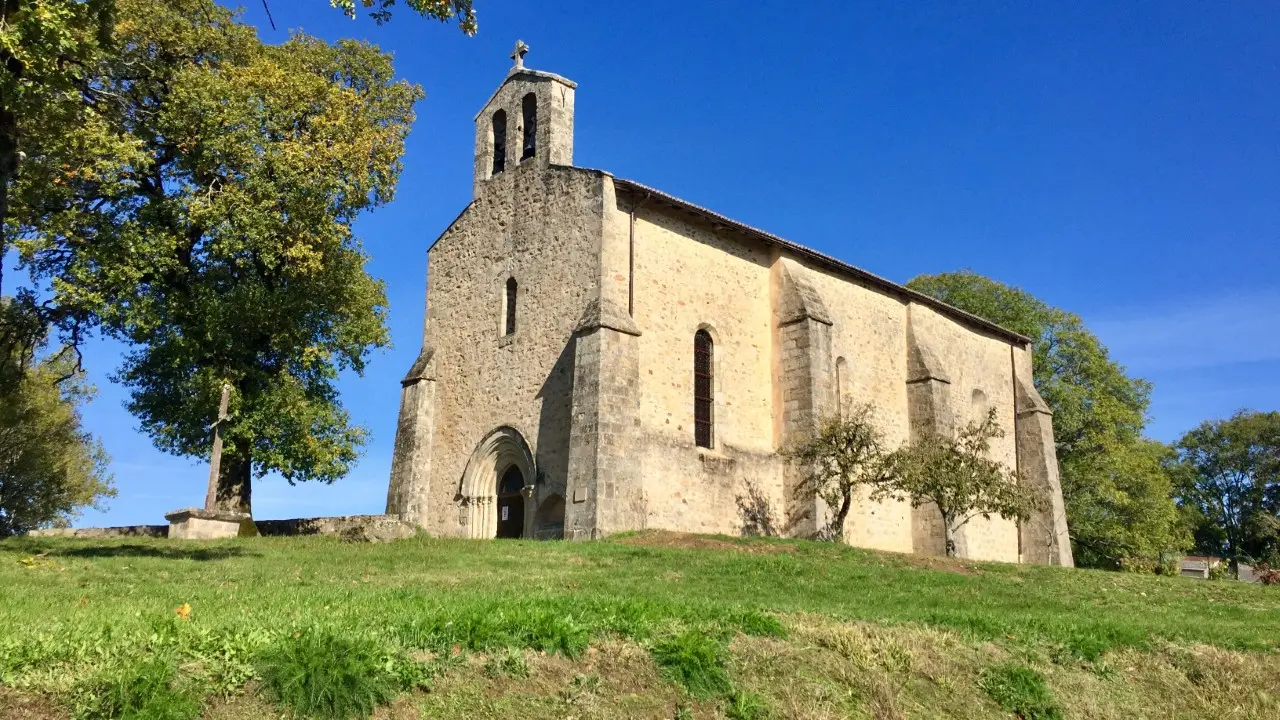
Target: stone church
599,356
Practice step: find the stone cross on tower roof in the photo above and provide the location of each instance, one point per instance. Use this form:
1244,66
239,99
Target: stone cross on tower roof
519,53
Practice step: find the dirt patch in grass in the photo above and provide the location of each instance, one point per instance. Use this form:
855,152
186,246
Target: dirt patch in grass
944,564
669,539
28,707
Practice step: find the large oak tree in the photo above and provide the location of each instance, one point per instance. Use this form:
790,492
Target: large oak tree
198,205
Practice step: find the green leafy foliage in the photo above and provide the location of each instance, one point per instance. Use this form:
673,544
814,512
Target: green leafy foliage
1229,484
1117,491
44,45
442,10
50,467
1121,513
198,205
695,661
1020,690
957,475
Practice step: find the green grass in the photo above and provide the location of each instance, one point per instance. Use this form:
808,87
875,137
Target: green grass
1021,691
696,662
278,613
322,674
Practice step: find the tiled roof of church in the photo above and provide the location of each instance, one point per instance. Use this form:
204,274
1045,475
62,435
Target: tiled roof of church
821,259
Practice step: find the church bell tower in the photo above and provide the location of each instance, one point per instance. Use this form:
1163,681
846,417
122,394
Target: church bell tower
527,122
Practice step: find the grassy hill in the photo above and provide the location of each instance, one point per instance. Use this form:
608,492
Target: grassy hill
653,625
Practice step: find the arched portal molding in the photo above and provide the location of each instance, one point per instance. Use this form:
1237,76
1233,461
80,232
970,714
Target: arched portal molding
498,452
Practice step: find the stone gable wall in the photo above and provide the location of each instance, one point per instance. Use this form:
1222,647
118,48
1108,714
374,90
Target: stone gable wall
542,227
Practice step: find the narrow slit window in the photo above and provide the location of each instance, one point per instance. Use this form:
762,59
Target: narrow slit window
842,378
529,111
703,397
510,303
499,141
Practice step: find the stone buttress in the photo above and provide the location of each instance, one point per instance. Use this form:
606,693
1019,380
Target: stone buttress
1043,538
929,411
604,490
409,489
804,370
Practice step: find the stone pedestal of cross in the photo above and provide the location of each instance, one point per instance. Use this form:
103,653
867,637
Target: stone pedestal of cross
210,522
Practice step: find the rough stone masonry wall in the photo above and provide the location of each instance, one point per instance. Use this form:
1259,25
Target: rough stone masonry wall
540,226
980,370
869,332
688,277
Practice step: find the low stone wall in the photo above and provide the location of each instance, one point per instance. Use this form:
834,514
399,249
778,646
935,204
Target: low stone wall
105,532
359,528
348,527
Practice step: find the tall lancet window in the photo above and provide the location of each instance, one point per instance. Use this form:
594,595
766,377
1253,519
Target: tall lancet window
529,111
510,324
499,142
703,397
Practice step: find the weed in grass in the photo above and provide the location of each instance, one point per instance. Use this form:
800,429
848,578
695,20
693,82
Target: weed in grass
583,693
588,682
1021,690
743,705
753,622
694,661
319,674
145,691
507,663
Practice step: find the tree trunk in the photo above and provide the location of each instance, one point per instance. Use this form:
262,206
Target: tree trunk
235,479
950,536
837,522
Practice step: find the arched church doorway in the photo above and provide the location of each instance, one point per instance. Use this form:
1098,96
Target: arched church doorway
491,499
510,504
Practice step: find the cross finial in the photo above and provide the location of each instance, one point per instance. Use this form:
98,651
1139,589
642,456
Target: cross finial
519,53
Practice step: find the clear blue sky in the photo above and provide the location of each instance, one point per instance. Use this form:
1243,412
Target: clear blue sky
1121,160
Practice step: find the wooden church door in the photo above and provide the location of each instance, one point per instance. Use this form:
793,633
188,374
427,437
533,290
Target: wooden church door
511,504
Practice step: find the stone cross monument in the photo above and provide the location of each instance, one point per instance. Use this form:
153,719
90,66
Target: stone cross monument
210,522
215,456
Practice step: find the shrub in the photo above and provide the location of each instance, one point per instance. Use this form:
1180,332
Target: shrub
318,674
146,691
1170,565
1266,574
1020,690
694,661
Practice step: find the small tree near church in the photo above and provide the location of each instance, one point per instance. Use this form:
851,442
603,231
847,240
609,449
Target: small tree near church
958,476
846,451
